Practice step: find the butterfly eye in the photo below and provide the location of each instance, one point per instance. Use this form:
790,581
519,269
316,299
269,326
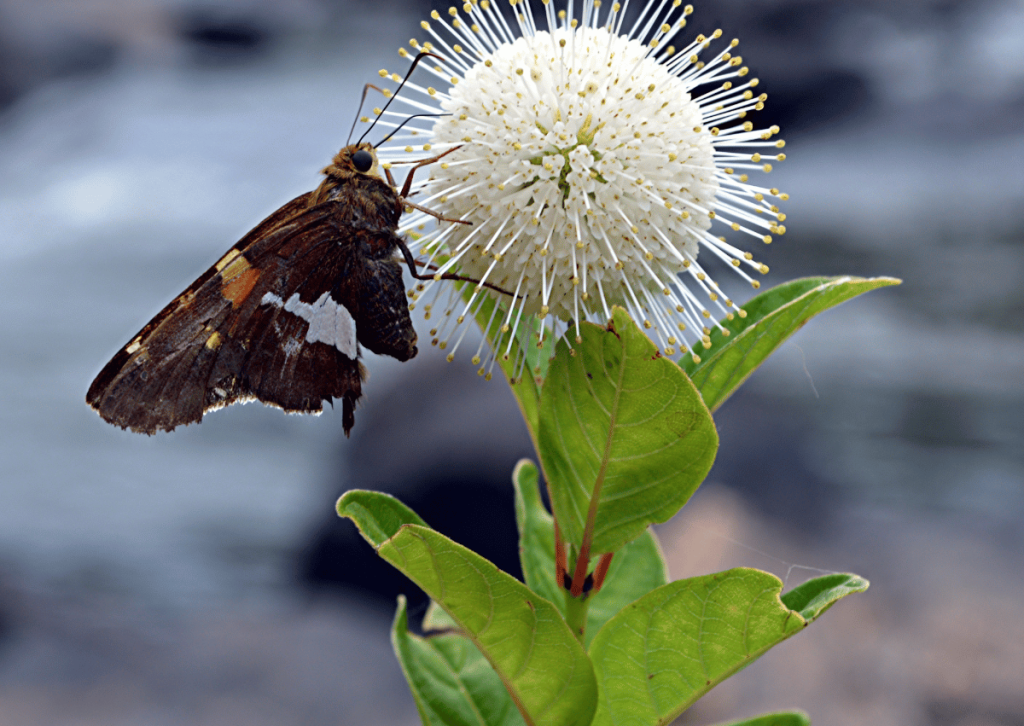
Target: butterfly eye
362,160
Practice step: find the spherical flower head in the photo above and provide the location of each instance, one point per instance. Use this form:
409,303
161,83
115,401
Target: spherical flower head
590,172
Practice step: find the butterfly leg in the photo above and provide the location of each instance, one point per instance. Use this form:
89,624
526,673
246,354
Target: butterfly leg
411,262
432,213
408,179
404,202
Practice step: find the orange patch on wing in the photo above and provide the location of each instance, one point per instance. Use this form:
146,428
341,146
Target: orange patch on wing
237,289
237,266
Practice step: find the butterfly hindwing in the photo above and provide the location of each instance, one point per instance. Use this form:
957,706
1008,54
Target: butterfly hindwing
380,306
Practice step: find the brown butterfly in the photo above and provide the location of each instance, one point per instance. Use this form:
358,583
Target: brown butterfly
281,316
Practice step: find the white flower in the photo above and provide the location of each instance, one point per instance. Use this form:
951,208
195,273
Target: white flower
591,173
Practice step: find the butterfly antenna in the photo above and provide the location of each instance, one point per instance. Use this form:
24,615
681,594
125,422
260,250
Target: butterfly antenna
399,128
366,88
415,62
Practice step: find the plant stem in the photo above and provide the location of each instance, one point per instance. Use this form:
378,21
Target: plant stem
576,613
602,570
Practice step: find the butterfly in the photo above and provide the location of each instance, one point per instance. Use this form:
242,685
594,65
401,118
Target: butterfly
280,318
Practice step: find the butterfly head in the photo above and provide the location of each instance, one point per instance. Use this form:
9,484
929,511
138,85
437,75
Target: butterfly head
357,159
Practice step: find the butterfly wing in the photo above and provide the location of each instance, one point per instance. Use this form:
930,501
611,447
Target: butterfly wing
277,320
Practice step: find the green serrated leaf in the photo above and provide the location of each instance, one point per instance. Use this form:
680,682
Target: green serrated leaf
451,681
625,438
772,317
659,655
636,569
785,718
522,636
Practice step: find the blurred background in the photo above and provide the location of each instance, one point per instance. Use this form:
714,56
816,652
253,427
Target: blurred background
201,577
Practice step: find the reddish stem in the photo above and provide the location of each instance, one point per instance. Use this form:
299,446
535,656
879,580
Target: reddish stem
580,575
602,569
561,566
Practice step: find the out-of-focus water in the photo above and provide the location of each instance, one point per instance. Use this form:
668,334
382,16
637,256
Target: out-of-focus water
117,189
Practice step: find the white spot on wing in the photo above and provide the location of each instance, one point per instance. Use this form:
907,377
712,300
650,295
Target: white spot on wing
291,347
329,322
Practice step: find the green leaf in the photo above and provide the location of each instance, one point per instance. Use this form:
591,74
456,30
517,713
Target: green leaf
772,317
660,654
625,438
526,387
785,718
636,569
377,514
536,535
451,682
523,636
814,597
437,619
